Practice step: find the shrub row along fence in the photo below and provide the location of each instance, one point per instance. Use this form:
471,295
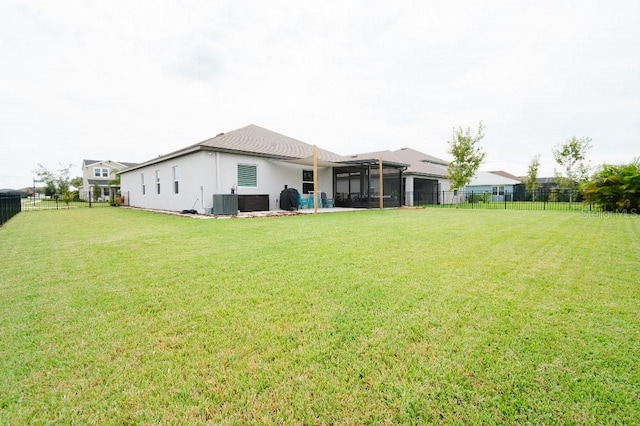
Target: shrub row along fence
521,200
9,207
80,200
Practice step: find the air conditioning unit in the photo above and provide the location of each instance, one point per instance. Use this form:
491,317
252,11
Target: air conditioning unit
225,204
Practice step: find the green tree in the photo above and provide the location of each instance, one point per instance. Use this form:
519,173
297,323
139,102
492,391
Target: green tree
532,176
50,189
615,187
467,155
77,181
95,193
572,159
56,181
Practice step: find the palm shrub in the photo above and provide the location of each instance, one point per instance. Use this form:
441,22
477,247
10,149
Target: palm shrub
615,187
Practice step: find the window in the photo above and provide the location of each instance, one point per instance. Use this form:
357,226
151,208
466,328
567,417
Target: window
105,172
105,192
157,181
142,181
247,175
100,172
307,181
175,179
498,190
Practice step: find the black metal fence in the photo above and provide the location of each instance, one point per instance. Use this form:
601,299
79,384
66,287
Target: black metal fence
76,200
543,199
9,207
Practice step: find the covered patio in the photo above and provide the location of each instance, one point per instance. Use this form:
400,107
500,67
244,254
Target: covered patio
358,184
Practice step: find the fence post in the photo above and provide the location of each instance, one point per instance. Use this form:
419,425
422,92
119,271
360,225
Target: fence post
90,196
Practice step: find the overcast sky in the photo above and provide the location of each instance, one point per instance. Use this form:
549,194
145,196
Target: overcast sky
129,80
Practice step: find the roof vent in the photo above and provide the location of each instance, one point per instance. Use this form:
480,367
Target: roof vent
219,134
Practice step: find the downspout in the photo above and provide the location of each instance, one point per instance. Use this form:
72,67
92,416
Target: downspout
381,190
315,180
369,186
217,172
402,196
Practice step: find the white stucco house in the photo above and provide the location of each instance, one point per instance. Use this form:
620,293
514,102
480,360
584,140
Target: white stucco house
252,162
256,164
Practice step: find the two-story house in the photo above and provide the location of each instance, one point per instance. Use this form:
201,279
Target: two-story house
96,176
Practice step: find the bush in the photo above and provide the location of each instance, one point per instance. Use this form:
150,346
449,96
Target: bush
615,188
479,197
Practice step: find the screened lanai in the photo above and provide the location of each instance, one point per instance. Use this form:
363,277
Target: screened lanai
357,184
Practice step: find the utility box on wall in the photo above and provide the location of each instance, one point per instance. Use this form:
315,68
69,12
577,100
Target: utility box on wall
225,204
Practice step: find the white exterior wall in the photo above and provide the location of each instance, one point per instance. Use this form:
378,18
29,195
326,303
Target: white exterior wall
196,175
272,175
408,189
203,174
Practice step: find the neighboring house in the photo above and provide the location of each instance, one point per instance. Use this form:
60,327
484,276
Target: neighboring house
544,185
498,187
96,175
254,163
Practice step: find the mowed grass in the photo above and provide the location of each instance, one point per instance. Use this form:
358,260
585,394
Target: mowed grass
115,316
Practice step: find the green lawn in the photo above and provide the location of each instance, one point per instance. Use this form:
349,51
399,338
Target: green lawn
115,316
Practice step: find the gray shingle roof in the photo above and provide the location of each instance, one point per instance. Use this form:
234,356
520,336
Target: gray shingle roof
254,139
415,160
505,174
387,156
409,153
487,178
421,163
124,163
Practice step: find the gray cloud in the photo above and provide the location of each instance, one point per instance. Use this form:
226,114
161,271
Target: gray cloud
128,80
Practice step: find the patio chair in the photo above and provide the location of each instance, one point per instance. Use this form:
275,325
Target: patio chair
325,202
304,201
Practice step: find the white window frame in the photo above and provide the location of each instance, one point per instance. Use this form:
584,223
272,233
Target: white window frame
144,188
307,182
176,180
157,182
